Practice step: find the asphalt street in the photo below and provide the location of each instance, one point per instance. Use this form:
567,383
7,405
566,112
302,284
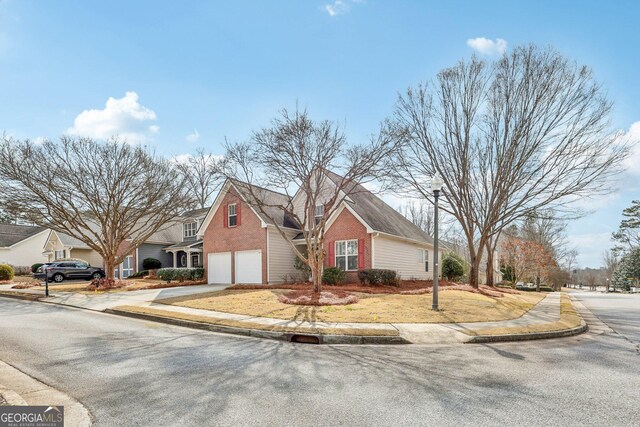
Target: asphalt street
130,372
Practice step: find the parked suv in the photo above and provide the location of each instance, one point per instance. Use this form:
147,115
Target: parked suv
68,270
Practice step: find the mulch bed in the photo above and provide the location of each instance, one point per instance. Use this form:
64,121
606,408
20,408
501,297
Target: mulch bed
308,297
173,284
407,287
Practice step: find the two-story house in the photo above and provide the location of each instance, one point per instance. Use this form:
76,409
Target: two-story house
242,245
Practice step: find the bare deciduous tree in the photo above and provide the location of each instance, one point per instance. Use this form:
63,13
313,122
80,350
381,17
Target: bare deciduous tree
101,193
525,133
297,153
202,173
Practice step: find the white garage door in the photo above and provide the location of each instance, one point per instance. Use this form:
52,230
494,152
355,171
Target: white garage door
249,267
219,267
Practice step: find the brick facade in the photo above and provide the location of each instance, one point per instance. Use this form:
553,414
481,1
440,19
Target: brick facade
347,227
247,235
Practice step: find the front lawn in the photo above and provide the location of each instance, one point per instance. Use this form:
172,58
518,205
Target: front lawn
456,305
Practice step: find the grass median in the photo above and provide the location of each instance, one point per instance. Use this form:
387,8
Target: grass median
456,306
569,319
251,325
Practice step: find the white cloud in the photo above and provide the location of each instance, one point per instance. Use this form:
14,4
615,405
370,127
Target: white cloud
340,7
486,46
124,117
193,137
632,163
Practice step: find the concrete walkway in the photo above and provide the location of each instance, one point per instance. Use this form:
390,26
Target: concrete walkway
548,310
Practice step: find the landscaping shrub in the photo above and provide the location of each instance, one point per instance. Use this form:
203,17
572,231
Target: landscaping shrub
105,284
36,266
452,269
377,276
180,274
21,270
505,284
139,274
543,288
333,276
151,264
6,272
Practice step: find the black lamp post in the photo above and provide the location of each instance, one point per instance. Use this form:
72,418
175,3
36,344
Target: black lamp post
436,185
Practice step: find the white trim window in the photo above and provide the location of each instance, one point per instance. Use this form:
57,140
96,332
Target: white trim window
189,229
423,256
319,213
232,213
62,254
347,255
127,267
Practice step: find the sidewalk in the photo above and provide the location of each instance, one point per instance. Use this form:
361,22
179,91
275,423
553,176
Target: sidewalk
142,304
19,389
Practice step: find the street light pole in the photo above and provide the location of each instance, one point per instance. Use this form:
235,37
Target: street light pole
436,184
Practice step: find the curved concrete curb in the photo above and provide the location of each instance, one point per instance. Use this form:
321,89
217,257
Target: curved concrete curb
19,295
30,391
11,397
282,336
530,336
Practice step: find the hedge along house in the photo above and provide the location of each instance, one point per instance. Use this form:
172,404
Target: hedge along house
242,245
21,245
187,252
62,246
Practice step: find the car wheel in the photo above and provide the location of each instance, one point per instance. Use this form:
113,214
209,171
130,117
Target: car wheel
96,276
58,278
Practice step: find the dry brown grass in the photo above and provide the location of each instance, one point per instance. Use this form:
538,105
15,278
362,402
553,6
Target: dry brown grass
131,285
256,326
569,319
457,306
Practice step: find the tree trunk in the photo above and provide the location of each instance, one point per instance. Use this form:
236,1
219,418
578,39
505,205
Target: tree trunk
490,281
109,267
315,263
473,271
537,283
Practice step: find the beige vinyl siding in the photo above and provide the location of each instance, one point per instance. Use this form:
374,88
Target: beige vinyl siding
403,257
26,252
88,255
281,256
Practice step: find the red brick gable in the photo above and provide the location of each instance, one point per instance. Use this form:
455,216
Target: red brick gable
347,227
247,235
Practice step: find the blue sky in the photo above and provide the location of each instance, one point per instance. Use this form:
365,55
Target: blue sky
187,74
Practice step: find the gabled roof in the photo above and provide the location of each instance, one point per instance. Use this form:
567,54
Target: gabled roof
267,197
195,213
377,214
10,234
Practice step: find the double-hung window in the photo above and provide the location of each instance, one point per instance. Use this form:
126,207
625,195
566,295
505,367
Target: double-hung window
347,255
424,258
319,213
60,254
189,229
233,215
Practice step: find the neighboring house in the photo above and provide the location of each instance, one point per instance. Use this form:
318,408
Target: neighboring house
61,246
188,251
21,245
242,245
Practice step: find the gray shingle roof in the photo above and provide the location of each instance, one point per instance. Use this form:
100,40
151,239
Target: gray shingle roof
195,213
379,215
68,240
10,234
268,197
